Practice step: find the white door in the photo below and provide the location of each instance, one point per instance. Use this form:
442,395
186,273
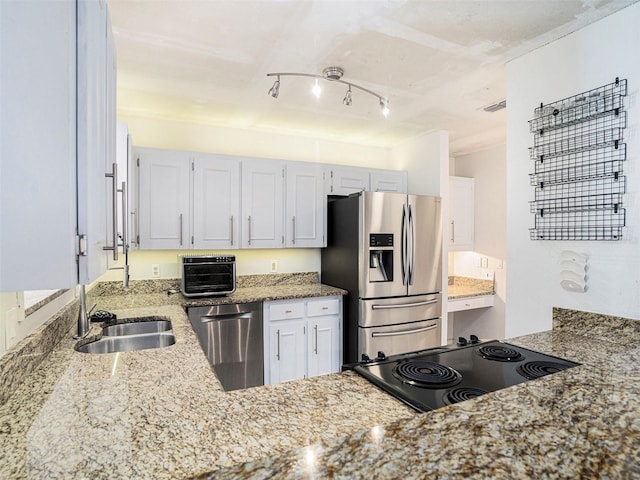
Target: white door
164,193
262,204
323,345
304,217
216,201
287,347
96,136
38,145
347,180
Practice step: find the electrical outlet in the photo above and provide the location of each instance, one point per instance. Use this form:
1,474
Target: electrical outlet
484,262
500,263
155,270
274,266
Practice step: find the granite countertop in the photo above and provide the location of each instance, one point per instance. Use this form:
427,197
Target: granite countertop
462,287
163,414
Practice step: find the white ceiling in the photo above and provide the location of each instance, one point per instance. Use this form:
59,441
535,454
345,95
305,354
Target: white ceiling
438,62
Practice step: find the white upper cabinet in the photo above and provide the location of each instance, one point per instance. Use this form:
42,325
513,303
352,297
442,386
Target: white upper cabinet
304,209
96,138
343,180
164,198
460,231
388,181
52,182
216,202
262,203
208,201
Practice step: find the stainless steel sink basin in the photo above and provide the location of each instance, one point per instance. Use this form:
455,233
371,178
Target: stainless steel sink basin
142,325
128,343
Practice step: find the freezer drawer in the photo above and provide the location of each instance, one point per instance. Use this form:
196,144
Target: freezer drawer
392,311
395,339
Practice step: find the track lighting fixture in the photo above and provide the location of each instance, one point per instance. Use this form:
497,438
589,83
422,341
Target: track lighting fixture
331,74
273,91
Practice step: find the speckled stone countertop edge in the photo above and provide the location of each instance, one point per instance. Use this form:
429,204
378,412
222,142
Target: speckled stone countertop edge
464,287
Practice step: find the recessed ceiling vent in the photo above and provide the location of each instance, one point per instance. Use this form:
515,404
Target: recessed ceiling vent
494,107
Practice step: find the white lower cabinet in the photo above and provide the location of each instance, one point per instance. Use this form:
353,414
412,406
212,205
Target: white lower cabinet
302,338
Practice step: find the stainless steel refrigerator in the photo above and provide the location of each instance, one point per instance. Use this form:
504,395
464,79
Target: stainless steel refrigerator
386,250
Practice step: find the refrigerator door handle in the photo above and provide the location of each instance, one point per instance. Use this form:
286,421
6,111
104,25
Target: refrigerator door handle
404,332
403,246
412,258
404,305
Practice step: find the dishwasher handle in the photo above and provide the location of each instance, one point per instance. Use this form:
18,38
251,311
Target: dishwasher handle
225,316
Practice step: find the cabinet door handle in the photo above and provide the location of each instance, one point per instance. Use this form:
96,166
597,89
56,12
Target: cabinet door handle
453,231
114,209
134,226
124,216
249,237
294,229
180,220
278,353
231,230
315,328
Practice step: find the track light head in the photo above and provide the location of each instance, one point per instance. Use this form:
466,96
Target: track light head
316,90
384,106
275,89
347,98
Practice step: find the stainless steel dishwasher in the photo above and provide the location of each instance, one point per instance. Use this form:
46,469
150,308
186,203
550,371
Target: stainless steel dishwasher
231,337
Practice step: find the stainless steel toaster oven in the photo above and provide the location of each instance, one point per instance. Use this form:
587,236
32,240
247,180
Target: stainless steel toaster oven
205,275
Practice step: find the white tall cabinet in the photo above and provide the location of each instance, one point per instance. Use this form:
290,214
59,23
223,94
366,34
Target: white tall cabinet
57,134
461,227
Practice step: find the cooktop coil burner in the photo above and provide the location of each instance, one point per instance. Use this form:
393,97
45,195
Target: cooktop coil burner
500,353
427,374
532,370
460,394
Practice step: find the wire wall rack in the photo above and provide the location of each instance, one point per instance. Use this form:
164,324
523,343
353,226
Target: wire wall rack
579,153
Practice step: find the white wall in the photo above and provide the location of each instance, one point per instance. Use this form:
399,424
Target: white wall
488,168
586,59
149,132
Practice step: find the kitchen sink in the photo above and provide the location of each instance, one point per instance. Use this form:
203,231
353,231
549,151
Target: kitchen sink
137,326
140,333
128,343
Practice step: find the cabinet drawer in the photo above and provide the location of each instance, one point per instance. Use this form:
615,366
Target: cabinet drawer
317,308
469,303
283,311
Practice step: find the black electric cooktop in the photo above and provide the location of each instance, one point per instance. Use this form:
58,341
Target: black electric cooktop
430,379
